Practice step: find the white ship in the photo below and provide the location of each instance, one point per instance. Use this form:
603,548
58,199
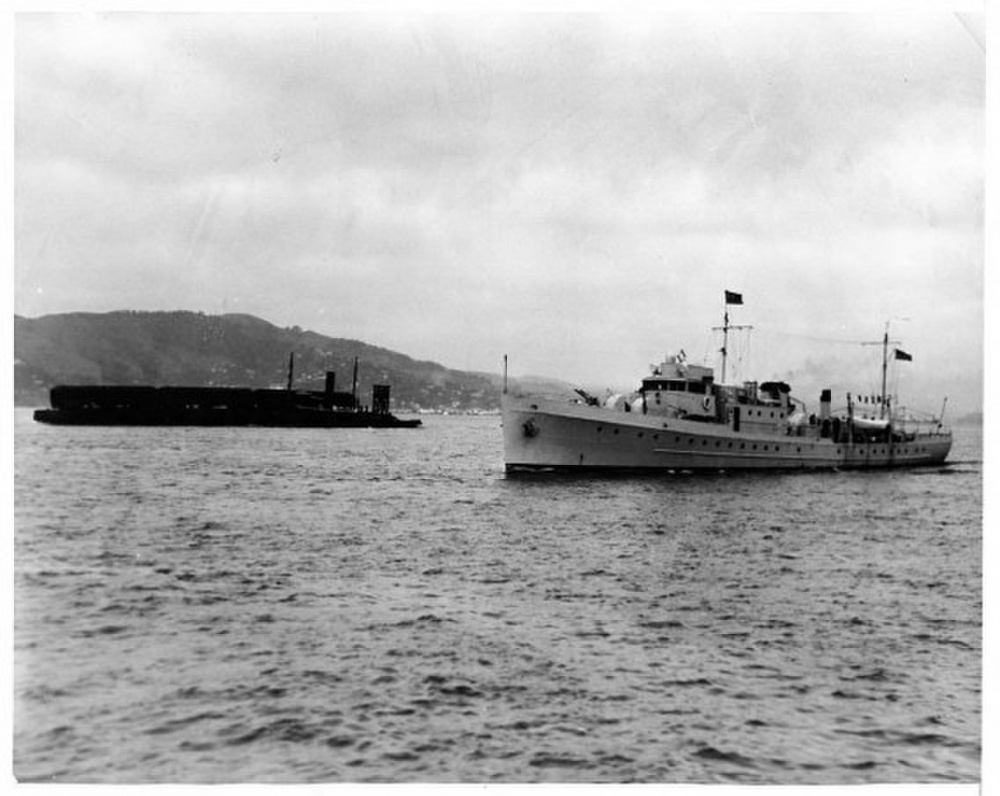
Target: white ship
680,419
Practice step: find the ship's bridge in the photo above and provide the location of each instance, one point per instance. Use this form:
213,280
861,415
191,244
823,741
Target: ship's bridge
675,388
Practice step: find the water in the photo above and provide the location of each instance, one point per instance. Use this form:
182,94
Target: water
274,605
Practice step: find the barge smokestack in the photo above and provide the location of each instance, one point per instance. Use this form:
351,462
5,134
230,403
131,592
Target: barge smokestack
291,369
354,384
331,387
380,399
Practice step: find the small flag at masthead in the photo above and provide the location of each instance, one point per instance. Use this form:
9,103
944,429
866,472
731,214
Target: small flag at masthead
733,298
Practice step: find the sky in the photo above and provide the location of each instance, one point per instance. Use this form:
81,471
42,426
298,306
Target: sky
575,191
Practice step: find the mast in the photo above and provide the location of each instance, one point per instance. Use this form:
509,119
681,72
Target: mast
884,342
291,368
725,342
885,365
731,298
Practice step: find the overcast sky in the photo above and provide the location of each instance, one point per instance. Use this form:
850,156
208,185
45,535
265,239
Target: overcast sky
575,191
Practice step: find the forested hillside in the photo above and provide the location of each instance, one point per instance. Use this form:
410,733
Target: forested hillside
194,349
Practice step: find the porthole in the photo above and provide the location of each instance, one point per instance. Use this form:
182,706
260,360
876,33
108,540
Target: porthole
600,429
616,431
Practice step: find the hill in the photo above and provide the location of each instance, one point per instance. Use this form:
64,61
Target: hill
234,350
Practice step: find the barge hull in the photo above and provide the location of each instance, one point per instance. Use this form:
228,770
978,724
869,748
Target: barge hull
303,419
216,406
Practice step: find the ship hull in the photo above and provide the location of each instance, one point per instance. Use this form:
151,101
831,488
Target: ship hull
542,434
293,418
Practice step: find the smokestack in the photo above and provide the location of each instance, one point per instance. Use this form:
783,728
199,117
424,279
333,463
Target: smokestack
825,398
354,384
380,399
331,386
291,368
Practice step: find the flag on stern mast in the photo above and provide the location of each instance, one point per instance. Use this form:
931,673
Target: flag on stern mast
733,298
902,355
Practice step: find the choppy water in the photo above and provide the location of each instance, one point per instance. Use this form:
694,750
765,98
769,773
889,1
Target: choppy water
231,605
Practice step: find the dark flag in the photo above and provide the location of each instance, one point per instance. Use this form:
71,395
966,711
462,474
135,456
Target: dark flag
901,354
733,298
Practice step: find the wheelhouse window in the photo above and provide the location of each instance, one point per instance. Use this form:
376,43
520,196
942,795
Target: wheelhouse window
676,385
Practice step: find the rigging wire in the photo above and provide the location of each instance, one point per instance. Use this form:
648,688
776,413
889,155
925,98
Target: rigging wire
739,351
867,388
811,337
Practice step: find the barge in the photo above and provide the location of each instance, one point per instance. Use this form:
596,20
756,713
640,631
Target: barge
140,405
